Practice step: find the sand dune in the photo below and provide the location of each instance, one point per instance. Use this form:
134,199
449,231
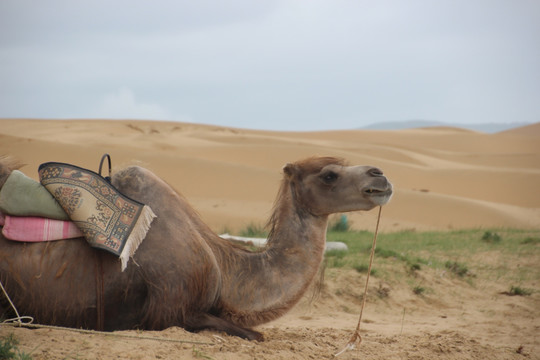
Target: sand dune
445,178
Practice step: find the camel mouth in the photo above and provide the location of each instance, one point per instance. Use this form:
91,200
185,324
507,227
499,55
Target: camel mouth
379,196
377,192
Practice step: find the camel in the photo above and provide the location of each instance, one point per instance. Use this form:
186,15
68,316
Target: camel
184,274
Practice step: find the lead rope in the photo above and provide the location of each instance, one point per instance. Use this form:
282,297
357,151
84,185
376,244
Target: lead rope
19,319
26,321
100,302
356,334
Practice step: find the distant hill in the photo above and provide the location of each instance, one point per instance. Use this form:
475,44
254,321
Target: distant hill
412,124
527,130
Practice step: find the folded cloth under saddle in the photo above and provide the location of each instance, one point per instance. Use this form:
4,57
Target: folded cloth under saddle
106,218
37,229
24,196
28,212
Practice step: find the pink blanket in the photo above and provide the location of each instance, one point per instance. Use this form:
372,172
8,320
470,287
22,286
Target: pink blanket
35,229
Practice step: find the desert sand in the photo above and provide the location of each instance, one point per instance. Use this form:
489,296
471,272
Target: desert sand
444,178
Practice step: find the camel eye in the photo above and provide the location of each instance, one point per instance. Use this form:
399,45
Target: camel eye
329,177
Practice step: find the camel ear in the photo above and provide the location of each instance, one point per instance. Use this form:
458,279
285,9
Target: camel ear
289,170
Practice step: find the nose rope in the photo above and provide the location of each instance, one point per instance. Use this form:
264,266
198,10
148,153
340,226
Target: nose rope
356,334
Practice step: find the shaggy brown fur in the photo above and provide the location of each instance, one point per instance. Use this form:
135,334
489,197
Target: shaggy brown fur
183,274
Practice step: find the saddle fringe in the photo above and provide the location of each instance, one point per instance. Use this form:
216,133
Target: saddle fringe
137,235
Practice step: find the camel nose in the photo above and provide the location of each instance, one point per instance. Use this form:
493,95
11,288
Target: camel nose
375,172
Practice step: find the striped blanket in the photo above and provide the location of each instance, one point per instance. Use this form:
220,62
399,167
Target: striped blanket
36,229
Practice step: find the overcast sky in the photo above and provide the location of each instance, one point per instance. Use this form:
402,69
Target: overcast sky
272,64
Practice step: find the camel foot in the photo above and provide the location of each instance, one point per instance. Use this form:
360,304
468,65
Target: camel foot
207,322
254,335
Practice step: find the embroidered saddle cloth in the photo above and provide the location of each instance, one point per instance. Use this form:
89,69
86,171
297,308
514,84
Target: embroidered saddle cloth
108,219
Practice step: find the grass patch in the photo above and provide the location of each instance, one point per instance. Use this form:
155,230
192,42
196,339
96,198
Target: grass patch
531,240
491,237
363,269
386,253
335,258
382,291
9,349
199,354
518,291
460,252
419,290
456,268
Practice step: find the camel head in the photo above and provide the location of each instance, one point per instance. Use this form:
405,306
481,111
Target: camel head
326,185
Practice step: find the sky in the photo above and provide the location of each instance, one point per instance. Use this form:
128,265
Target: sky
272,64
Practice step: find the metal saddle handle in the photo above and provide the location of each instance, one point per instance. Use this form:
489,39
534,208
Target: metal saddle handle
108,178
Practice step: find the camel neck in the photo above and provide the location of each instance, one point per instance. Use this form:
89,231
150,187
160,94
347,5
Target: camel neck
259,287
295,228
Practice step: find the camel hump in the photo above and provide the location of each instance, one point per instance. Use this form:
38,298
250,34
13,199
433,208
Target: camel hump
134,179
8,163
141,184
130,177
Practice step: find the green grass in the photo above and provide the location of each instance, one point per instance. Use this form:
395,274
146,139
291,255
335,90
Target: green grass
491,237
9,349
518,291
460,252
456,268
199,354
531,240
363,269
419,290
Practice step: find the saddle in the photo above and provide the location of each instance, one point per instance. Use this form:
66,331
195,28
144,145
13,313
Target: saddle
96,210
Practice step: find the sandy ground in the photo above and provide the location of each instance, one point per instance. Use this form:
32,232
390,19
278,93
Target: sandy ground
457,320
445,178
